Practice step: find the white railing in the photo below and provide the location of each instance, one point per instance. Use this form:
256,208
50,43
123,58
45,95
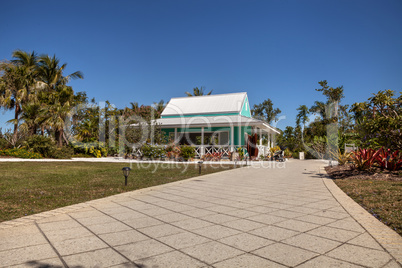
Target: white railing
201,150
263,150
217,149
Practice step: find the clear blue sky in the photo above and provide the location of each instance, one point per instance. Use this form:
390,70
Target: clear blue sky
145,51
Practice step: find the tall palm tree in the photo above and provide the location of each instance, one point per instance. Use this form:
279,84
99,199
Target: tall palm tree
31,117
16,82
159,107
302,116
198,92
57,98
51,73
54,114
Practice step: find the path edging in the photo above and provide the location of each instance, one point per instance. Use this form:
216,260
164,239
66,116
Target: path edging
384,235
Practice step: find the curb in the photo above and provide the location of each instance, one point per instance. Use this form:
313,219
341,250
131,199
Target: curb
386,237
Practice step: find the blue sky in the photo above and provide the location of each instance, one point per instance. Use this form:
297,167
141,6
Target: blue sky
145,51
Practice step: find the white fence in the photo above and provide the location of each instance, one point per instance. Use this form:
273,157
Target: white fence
201,150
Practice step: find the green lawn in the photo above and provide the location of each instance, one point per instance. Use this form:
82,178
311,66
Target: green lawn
31,187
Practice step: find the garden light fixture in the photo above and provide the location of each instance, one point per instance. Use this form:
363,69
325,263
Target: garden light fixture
126,172
199,167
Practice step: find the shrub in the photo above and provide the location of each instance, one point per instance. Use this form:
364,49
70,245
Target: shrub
388,160
172,151
212,157
40,144
187,152
364,158
241,152
274,149
152,152
20,153
288,153
65,152
3,143
97,149
342,158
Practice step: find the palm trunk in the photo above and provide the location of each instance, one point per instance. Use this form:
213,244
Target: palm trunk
59,137
16,113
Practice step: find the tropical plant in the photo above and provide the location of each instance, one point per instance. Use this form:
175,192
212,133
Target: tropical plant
265,111
65,152
274,149
287,153
173,151
16,82
198,92
379,120
187,152
364,158
40,144
342,158
389,160
152,152
217,156
20,153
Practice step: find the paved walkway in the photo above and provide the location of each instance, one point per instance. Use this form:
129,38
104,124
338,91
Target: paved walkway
288,215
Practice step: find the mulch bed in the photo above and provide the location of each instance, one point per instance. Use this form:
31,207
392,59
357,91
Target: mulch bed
347,172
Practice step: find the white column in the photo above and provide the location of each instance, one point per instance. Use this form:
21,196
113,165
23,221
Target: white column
175,135
202,142
272,139
260,137
239,139
269,140
232,138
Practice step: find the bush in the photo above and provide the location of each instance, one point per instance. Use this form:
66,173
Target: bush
173,151
152,152
40,144
187,152
20,153
342,158
97,149
274,149
65,152
364,158
288,153
389,160
3,143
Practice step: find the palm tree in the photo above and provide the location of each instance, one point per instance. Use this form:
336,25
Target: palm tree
23,58
302,116
159,107
198,92
54,114
51,73
15,85
57,98
30,116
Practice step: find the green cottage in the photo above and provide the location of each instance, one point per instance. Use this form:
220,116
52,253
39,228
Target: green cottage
214,123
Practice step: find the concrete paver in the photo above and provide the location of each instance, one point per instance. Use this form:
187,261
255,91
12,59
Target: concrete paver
282,215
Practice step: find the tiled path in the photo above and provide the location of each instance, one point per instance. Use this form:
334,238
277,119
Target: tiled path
250,217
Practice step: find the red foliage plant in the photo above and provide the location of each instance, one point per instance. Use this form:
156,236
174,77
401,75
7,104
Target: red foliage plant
388,160
364,158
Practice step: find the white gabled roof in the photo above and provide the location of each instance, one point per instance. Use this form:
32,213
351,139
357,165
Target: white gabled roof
214,121
209,104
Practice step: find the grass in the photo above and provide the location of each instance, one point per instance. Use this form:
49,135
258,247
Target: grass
383,199
27,188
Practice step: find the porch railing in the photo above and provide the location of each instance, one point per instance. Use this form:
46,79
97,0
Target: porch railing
201,150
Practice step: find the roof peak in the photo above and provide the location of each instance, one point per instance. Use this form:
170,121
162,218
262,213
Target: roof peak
204,96
216,104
